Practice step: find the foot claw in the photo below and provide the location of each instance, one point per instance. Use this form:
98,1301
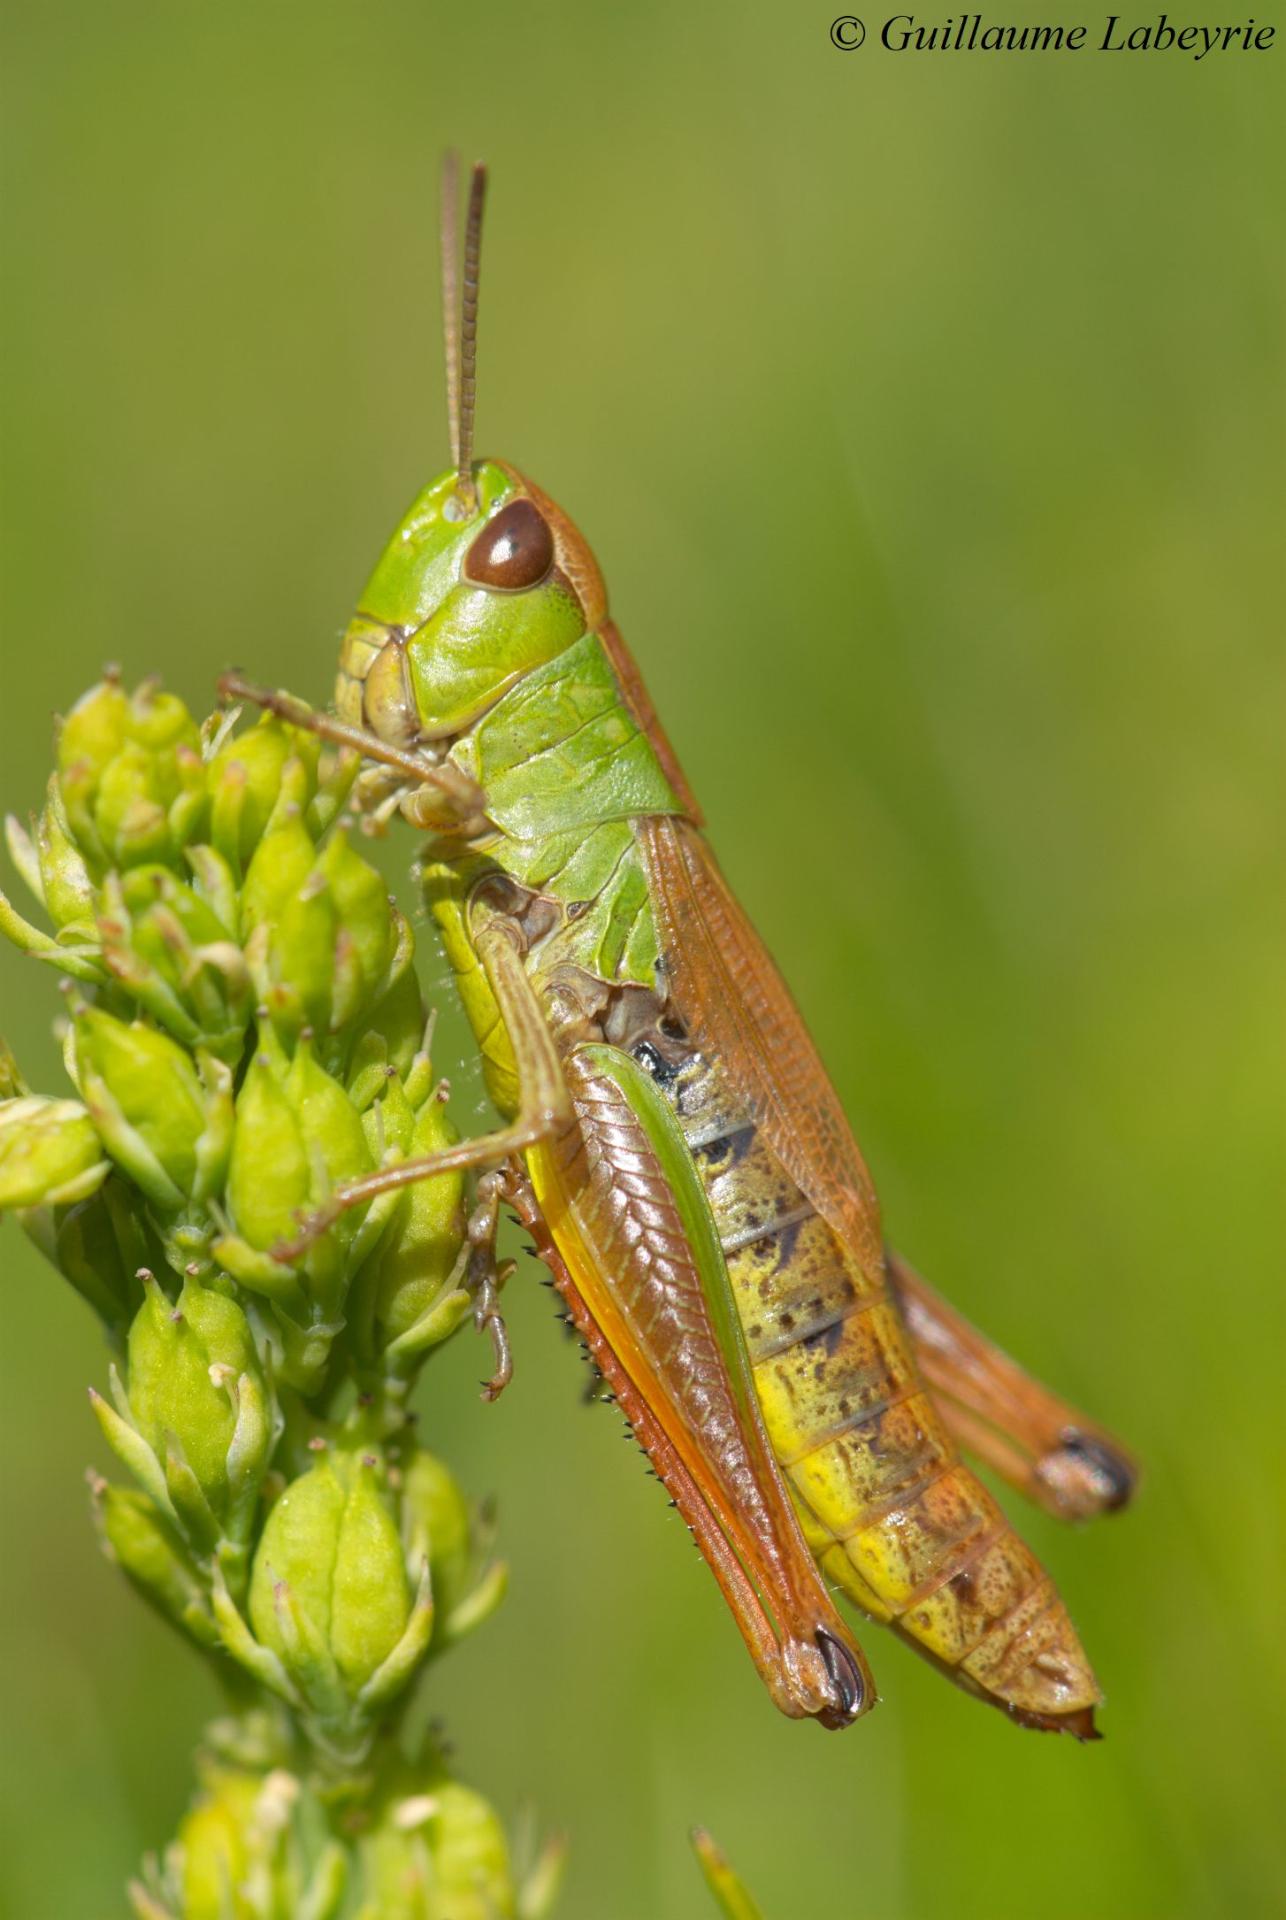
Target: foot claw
487,1318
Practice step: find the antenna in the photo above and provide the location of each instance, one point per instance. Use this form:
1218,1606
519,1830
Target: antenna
460,316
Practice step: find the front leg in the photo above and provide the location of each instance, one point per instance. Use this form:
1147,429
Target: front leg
454,793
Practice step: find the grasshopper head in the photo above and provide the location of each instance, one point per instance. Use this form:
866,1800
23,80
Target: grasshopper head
472,592
485,578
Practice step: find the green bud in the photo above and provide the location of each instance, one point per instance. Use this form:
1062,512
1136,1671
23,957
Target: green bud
143,813
368,921
320,931
436,1524
282,862
197,1394
394,1027
332,1539
58,878
439,1524
246,777
138,1536
255,1846
330,1596
435,1851
470,1854
96,727
408,1295
214,1848
295,1119
130,775
169,1131
65,884
50,1152
167,947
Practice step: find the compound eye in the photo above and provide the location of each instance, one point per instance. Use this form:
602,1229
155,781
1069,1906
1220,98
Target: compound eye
513,551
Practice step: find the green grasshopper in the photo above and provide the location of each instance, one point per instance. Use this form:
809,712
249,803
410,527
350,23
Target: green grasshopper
669,1135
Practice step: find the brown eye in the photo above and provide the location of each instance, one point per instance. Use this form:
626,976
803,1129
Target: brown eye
513,551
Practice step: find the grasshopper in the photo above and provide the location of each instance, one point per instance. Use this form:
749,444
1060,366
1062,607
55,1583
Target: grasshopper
669,1136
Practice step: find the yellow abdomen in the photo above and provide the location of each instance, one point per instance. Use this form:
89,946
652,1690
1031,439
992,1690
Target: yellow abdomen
894,1517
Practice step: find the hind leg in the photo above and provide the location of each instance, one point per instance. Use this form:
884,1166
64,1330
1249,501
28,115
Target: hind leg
1045,1448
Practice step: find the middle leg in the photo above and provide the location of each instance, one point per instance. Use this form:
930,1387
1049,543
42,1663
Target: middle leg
544,1104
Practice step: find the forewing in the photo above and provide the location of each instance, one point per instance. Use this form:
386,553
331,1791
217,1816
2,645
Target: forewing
631,1223
735,1004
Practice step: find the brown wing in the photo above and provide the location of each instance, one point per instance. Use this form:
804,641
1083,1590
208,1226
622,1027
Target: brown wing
632,1278
734,1002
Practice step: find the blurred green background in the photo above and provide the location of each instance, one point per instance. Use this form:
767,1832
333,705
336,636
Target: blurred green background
925,416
